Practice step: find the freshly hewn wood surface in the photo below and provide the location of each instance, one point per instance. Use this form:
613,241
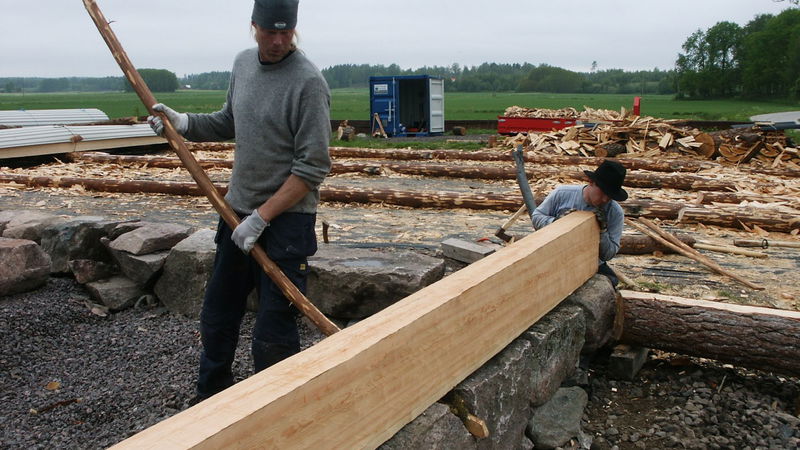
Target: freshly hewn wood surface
755,337
357,388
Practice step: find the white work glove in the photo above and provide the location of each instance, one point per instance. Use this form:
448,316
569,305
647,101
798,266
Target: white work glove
179,120
247,233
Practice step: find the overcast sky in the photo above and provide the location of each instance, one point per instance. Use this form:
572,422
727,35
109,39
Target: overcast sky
56,38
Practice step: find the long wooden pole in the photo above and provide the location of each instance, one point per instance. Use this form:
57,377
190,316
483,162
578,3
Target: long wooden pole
217,200
690,254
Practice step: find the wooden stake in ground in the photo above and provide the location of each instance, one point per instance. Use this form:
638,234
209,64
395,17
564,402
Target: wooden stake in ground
217,200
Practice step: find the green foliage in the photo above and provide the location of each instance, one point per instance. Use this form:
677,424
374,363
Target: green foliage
208,81
158,80
552,79
759,60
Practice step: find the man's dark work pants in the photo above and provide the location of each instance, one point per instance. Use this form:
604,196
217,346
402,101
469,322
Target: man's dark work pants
288,240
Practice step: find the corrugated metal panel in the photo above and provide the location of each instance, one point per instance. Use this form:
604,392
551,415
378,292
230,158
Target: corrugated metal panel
57,134
38,117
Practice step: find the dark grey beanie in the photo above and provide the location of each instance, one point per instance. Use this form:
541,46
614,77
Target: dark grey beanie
275,14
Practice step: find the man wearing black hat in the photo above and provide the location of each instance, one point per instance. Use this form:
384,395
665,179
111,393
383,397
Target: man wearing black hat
278,111
599,196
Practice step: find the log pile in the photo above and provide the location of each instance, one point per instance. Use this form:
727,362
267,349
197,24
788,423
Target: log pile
648,137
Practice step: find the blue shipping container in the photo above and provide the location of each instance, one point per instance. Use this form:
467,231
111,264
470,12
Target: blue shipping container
410,105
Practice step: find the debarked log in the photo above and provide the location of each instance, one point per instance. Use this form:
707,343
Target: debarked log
748,336
724,217
632,179
638,180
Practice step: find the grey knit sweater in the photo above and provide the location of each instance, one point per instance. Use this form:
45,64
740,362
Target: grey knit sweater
279,115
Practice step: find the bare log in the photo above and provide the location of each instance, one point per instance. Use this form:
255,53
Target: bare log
161,162
748,336
731,218
642,244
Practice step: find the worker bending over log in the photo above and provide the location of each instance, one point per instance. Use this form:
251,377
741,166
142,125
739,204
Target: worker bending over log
278,111
599,196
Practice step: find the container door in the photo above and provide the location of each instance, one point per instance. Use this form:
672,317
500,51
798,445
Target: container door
384,102
436,89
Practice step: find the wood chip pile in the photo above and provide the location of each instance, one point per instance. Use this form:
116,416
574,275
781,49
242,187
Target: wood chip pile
648,137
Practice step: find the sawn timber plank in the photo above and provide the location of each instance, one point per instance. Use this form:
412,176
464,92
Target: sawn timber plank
357,388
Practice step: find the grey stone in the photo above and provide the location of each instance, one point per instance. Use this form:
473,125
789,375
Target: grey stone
556,342
142,269
499,393
186,272
436,428
351,283
87,270
559,420
151,237
625,361
117,293
24,266
78,238
597,299
26,224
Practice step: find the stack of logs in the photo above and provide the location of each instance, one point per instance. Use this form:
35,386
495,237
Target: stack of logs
566,113
648,137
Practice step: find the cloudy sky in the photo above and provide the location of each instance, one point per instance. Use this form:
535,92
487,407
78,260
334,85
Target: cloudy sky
55,38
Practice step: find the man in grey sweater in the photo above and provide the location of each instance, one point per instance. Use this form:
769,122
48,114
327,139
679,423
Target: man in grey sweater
278,111
599,196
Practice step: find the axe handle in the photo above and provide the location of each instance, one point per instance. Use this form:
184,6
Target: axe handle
514,218
217,200
522,180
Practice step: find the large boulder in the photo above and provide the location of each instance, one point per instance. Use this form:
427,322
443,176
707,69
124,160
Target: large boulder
117,293
78,238
597,298
349,283
556,422
499,393
436,428
186,272
24,266
556,342
87,270
26,224
150,237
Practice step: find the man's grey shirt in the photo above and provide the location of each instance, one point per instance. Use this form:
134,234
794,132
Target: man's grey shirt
279,115
564,198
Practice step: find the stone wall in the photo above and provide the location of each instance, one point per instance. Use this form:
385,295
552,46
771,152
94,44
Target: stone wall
527,395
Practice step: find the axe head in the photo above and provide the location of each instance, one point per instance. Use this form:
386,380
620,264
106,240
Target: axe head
501,233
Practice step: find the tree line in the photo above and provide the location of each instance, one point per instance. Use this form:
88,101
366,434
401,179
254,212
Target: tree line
758,60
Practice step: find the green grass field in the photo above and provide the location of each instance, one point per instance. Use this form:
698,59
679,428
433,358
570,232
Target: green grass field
354,104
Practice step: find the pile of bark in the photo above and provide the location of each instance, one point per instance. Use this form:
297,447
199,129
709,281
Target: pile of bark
648,137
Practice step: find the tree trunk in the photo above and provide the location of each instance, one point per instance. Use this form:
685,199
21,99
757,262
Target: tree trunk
759,338
640,244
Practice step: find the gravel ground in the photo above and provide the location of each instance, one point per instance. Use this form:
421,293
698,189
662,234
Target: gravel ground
73,379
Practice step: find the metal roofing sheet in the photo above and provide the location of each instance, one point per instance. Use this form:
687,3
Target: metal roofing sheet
57,134
37,117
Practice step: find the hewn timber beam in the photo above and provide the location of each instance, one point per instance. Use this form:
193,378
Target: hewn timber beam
357,388
749,336
724,217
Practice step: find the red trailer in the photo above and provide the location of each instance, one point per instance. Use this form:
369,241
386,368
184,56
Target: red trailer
514,125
